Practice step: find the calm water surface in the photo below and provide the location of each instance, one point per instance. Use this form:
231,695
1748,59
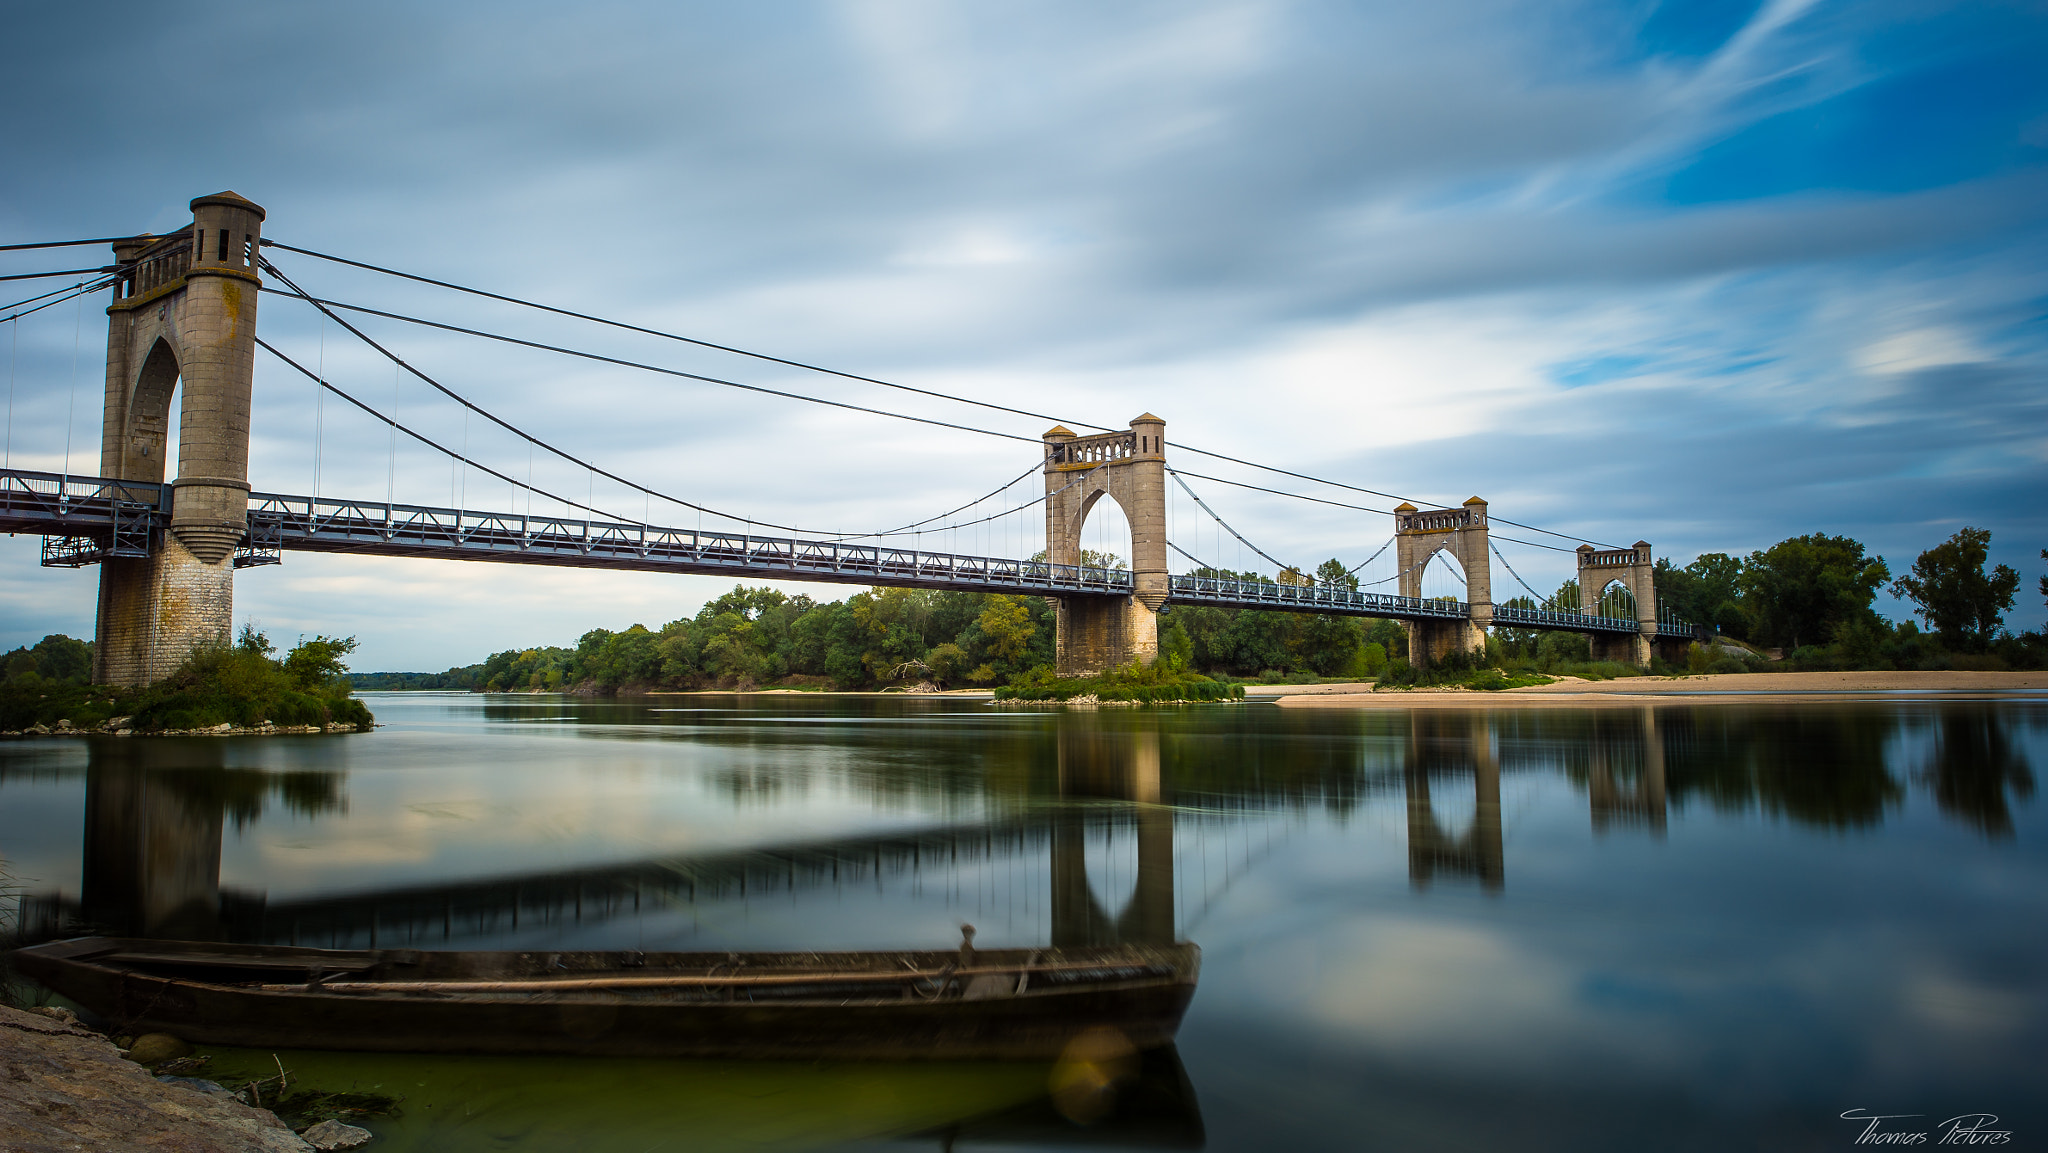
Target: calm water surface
1696,926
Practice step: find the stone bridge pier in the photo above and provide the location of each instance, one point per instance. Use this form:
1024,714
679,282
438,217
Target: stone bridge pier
1632,569
185,313
1095,634
1419,535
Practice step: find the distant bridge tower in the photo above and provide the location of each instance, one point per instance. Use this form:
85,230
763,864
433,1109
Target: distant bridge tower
1420,535
187,311
1098,633
1632,569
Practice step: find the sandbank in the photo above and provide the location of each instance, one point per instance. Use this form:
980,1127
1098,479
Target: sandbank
1720,688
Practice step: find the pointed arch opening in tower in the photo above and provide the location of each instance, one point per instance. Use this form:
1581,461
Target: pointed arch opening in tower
1443,577
1617,601
1105,535
149,443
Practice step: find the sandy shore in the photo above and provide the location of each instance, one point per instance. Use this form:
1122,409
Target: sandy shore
1724,688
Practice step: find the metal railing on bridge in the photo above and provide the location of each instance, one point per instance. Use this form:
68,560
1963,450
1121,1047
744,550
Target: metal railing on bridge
1518,617
1225,592
88,519
1515,616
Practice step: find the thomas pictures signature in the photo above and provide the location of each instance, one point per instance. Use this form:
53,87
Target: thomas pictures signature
1962,1129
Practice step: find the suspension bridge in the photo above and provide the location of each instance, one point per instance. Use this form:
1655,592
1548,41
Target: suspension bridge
183,315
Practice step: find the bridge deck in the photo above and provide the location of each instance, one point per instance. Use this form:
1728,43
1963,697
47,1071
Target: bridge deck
85,519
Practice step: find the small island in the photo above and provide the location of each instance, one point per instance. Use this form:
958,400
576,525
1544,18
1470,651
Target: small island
223,690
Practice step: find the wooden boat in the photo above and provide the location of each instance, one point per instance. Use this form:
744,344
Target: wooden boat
991,1003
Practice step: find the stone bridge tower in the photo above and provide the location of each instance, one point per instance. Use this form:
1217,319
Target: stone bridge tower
1098,633
1420,535
185,312
1632,569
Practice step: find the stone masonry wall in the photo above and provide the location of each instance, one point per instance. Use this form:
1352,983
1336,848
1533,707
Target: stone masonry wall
155,611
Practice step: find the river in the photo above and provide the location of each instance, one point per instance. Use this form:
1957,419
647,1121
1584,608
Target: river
1699,925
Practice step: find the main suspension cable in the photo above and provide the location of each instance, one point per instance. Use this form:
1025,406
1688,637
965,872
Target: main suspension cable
1375,556
534,489
970,504
31,300
1226,524
72,243
62,272
423,439
268,243
602,359
523,434
808,367
1537,596
79,289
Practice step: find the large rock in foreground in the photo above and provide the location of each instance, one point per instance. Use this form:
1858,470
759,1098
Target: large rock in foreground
66,1089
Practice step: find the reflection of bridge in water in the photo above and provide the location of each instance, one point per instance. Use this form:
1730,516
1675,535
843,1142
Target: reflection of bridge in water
153,841
1621,762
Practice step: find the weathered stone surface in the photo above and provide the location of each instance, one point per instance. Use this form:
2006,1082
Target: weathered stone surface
186,322
1094,634
335,1135
66,1089
1461,534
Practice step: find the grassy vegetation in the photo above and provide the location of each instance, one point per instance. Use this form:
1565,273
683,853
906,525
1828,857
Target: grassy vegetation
240,685
1162,682
1457,671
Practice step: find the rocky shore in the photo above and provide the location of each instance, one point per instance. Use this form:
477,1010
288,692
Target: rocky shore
118,727
65,1088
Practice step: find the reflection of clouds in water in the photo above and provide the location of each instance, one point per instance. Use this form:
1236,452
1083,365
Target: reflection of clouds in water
1953,1004
1417,984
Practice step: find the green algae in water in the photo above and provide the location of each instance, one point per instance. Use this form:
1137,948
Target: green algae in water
601,1105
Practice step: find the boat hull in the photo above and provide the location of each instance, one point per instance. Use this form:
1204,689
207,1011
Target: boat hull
164,996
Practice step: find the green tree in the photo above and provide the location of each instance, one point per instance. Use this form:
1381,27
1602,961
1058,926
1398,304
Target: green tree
1332,574
1716,593
1176,647
1797,591
1006,627
1706,592
949,663
56,657
1957,598
317,663
1566,598
1518,641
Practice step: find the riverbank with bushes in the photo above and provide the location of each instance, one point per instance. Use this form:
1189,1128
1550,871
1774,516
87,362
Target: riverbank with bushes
218,691
1158,683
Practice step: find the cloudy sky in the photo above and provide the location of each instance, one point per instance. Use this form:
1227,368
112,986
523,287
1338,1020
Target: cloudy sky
1707,274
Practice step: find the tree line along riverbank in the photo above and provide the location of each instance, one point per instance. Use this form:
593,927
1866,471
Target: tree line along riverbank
1810,598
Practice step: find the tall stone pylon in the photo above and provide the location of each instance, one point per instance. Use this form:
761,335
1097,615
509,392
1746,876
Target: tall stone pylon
1095,634
1635,570
185,313
1461,532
